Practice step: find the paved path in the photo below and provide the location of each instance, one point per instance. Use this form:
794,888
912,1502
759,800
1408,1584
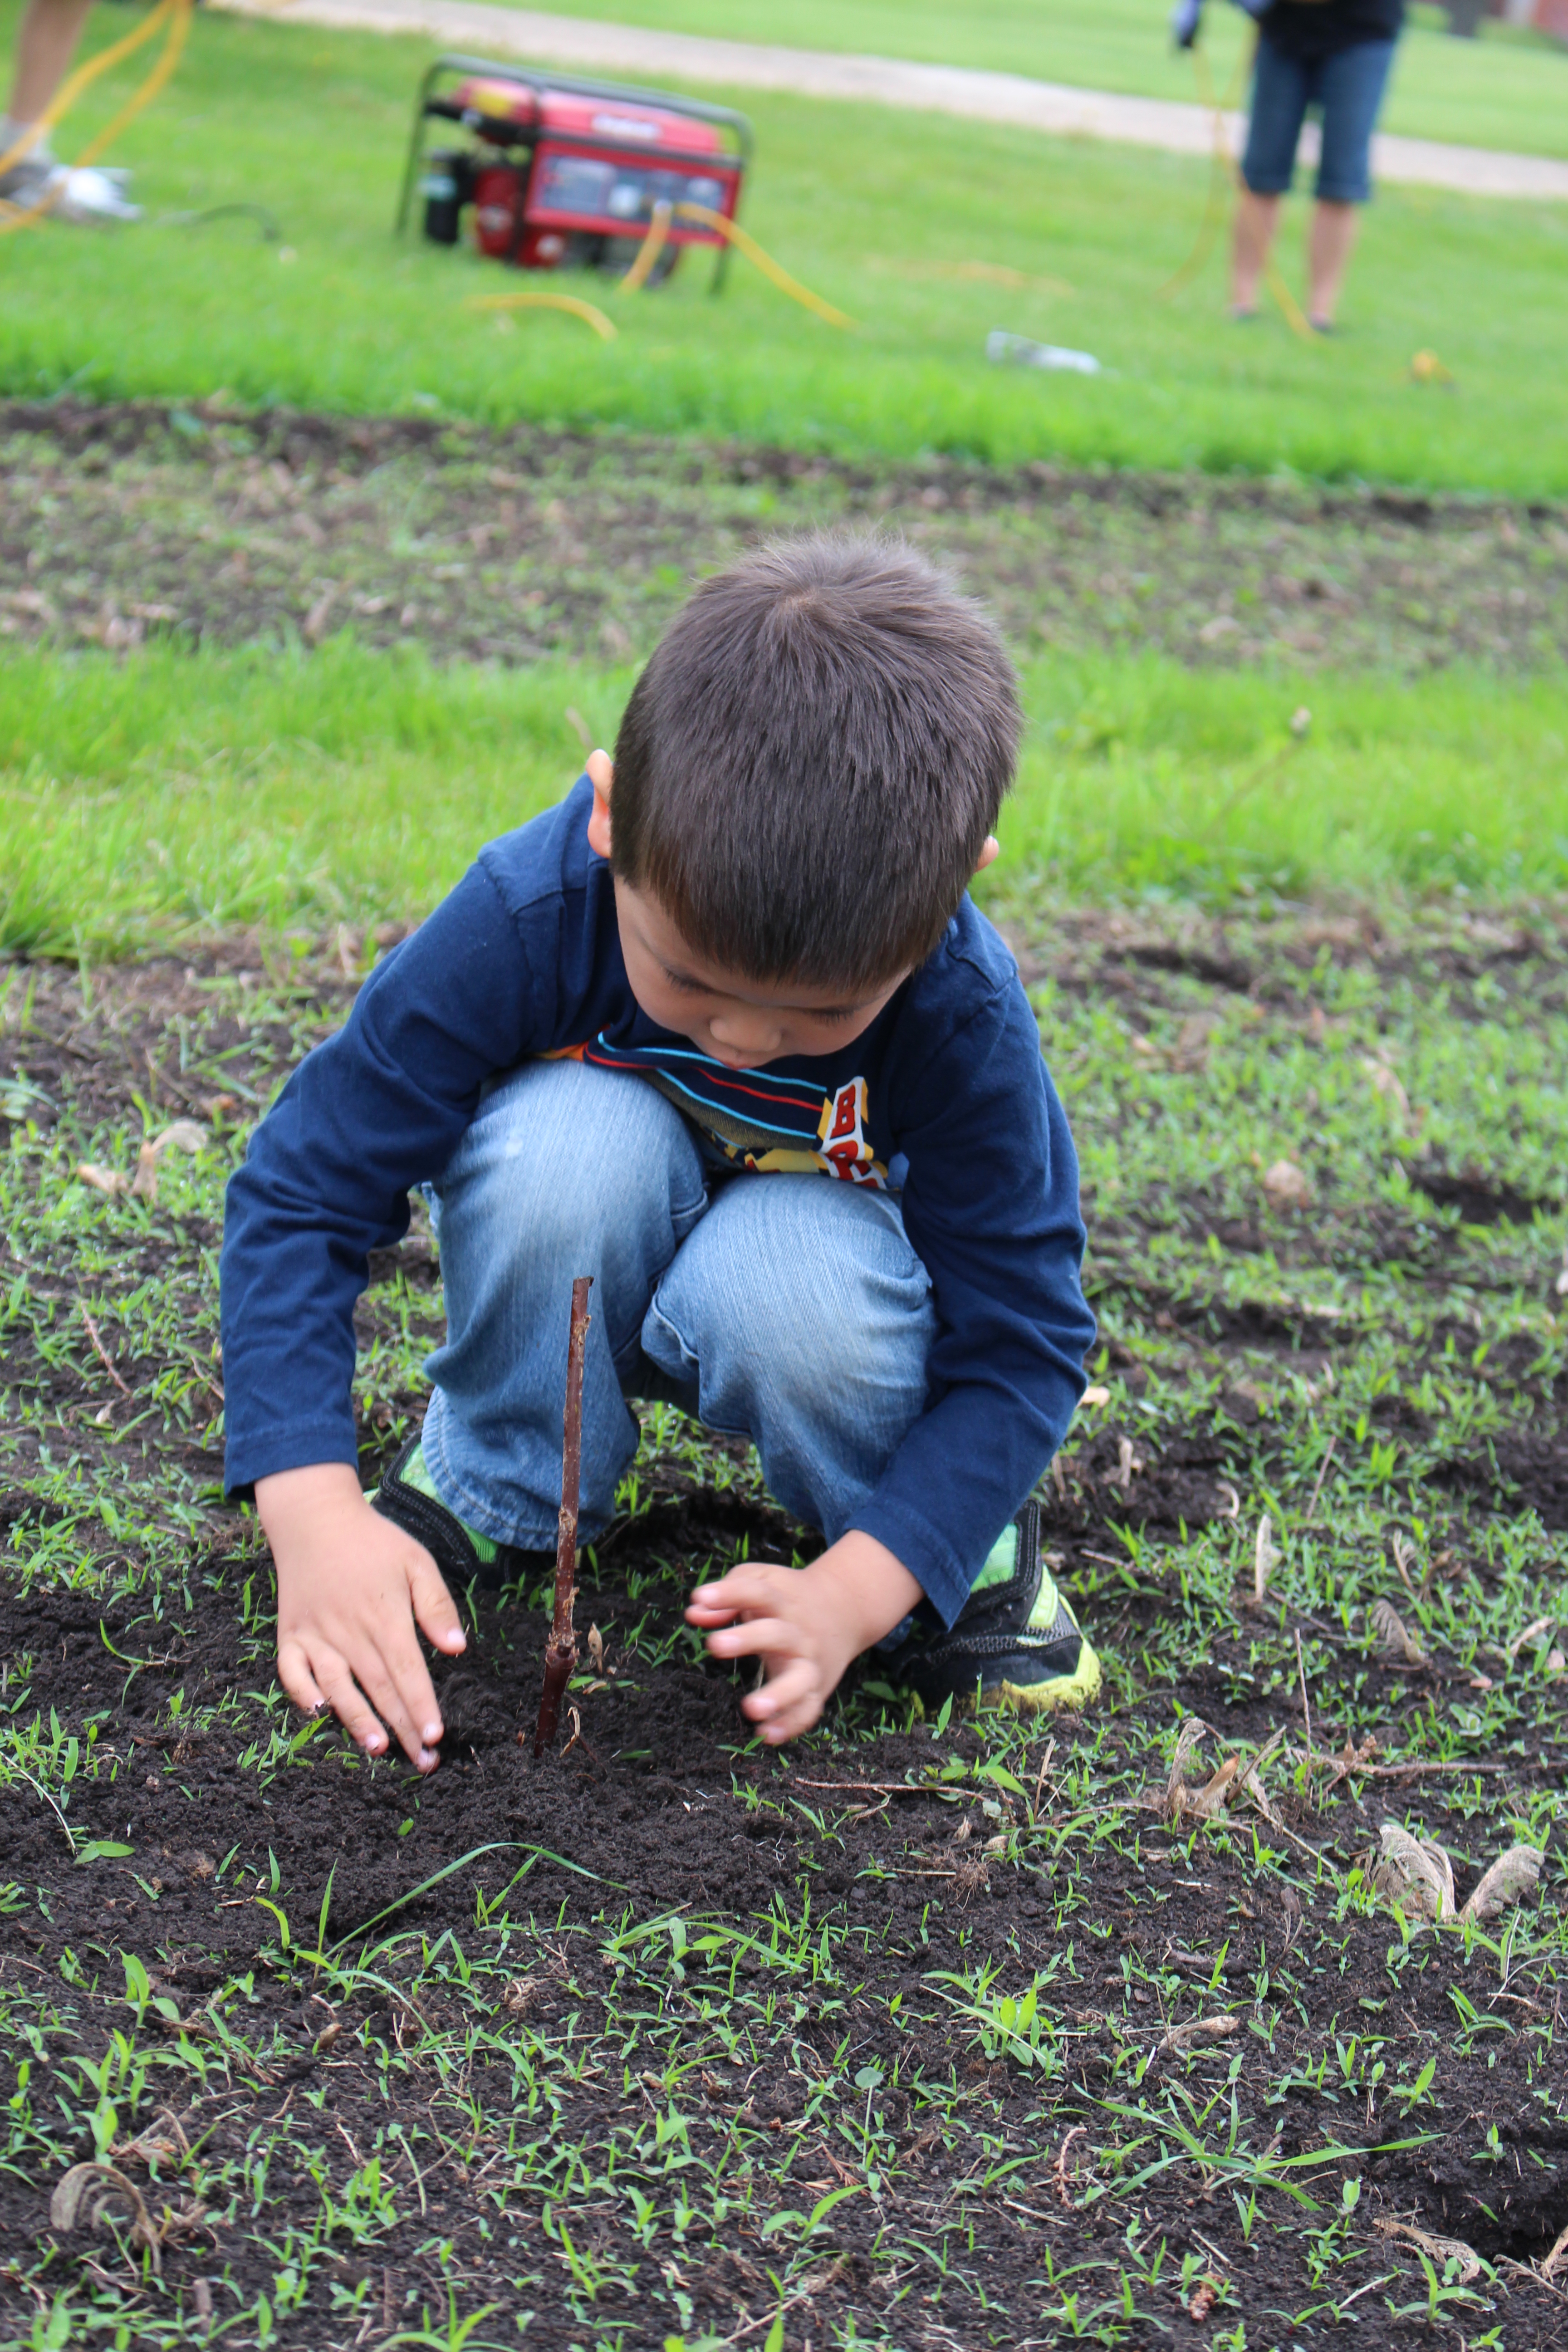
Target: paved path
610,49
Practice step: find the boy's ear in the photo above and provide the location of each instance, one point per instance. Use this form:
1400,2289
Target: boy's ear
601,774
990,848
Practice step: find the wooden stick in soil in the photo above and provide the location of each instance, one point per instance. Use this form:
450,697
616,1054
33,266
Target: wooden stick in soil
561,1651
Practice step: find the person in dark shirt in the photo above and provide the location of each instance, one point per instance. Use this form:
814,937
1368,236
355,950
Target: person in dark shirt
1335,55
725,1031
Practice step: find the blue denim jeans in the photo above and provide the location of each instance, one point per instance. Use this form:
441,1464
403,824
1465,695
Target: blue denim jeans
1347,87
789,1309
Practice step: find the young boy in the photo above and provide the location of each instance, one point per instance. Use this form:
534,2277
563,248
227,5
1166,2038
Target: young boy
725,1031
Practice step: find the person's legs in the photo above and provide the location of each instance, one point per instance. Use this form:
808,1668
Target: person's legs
566,1170
35,181
1352,86
1329,250
1257,220
1280,88
798,1315
45,43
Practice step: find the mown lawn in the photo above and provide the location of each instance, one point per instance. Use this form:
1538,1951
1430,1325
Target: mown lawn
291,672
1506,90
929,232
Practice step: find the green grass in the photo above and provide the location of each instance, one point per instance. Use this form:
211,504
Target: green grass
422,2080
1508,90
297,789
880,212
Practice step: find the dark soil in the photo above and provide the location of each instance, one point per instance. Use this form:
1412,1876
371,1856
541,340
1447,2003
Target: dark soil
159,1635
121,523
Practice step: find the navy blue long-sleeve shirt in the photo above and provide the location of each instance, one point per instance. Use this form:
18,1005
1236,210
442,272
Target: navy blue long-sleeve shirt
945,1097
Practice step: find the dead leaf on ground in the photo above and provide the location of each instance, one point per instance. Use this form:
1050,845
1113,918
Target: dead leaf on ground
1251,1780
1093,1396
1236,1774
1385,1083
1192,1733
1531,1633
86,2196
1512,1878
1190,1049
184,1134
103,1180
1395,1639
1558,2257
1265,1559
316,619
1209,1801
1287,1186
1413,1874
1201,2029
1439,2249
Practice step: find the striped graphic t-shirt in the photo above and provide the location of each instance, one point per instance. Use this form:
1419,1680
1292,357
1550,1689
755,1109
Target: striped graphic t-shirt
771,1125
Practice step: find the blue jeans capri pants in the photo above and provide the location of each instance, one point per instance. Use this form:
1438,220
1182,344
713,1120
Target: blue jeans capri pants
1348,90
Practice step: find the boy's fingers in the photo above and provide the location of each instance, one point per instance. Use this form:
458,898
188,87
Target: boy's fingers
755,1586
757,1635
435,1611
294,1674
708,1613
399,1683
783,1692
349,1705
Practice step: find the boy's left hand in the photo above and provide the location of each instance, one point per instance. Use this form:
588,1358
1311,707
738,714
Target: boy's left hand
806,1624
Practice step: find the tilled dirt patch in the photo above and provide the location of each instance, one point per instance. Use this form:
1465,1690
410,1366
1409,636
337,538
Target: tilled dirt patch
914,2035
122,523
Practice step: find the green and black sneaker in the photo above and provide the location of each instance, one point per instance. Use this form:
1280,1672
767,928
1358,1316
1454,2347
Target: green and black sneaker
1016,1643
407,1497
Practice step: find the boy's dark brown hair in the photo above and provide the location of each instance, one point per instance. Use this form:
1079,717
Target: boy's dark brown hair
810,763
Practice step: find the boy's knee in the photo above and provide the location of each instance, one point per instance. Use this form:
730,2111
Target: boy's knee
792,1285
562,1157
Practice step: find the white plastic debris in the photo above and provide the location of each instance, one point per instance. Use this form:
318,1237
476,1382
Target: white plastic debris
1004,350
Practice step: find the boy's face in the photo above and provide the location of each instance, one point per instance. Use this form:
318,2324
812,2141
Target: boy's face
739,1021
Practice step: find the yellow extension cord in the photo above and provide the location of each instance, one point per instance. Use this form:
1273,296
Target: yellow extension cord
654,242
606,329
175,15
735,234
1226,170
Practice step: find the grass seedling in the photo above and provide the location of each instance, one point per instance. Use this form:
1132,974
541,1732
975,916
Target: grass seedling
560,1655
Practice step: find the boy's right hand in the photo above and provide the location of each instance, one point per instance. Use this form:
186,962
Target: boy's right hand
350,1589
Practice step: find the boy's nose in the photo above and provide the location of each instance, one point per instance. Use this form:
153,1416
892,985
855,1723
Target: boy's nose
751,1040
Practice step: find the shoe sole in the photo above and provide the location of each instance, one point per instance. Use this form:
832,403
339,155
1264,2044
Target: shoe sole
1075,1690
1078,1690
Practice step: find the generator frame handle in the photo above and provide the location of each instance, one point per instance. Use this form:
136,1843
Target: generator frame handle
536,79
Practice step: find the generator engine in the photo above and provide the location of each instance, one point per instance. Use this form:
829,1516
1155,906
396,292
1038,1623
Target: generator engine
558,172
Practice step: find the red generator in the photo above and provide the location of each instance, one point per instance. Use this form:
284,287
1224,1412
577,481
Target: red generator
561,174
